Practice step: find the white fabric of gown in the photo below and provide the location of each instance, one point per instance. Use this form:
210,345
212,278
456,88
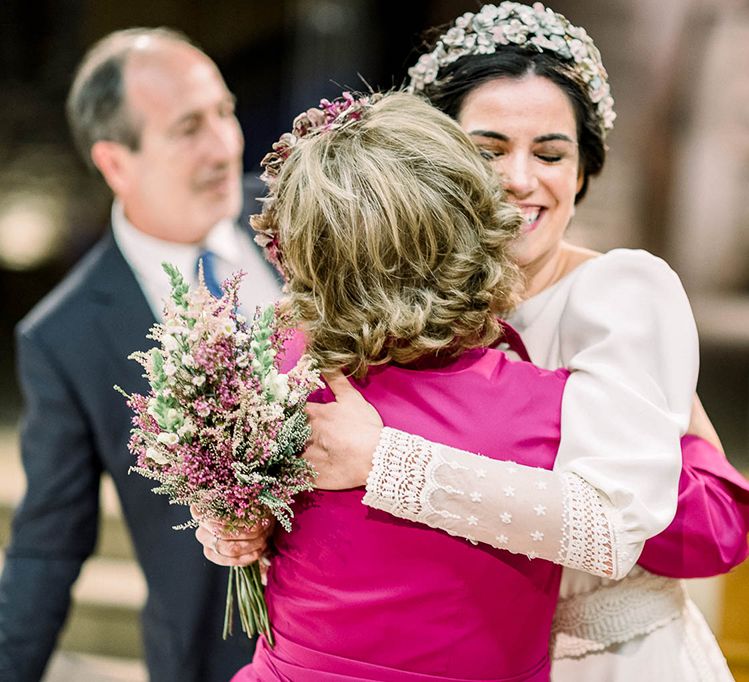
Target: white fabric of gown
650,629
622,324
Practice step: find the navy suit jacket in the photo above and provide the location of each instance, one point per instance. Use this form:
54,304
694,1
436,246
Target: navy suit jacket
72,349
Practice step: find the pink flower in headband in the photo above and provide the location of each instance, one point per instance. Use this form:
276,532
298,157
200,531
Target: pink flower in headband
335,115
329,116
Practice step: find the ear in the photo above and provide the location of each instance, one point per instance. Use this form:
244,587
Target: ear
113,160
580,179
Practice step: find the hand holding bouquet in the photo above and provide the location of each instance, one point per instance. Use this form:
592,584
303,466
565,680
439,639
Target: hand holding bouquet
221,427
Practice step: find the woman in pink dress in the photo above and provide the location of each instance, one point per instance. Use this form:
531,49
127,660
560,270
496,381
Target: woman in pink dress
394,238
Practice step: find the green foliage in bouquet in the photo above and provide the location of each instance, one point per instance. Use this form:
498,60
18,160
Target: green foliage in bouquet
222,426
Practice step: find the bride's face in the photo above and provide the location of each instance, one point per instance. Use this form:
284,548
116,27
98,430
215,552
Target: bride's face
526,127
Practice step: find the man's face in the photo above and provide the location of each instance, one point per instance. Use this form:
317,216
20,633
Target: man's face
187,173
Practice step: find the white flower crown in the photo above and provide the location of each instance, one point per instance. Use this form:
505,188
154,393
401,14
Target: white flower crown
535,28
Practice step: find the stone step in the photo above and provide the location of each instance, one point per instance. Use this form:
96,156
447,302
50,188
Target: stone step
734,629
66,666
737,655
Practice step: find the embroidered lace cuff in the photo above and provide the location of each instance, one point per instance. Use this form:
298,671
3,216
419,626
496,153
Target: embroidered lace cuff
525,510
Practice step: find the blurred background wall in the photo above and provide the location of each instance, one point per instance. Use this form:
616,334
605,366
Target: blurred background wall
676,180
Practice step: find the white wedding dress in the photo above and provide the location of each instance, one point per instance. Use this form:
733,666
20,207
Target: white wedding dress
622,324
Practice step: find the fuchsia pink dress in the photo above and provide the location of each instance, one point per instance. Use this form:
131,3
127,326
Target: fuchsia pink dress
355,594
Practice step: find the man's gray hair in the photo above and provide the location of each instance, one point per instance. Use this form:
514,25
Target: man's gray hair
96,107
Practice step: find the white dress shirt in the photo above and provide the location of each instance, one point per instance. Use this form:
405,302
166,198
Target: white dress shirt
233,249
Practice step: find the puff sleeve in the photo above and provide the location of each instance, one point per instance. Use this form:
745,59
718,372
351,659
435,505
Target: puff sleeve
628,337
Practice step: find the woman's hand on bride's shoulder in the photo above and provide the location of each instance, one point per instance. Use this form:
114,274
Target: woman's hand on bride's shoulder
344,436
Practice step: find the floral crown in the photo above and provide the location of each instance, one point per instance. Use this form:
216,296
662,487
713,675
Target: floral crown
535,28
340,113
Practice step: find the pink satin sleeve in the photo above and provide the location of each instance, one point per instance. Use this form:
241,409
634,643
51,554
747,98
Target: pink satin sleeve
708,535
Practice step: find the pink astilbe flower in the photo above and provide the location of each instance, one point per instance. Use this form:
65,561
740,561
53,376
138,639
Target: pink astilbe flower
339,113
215,431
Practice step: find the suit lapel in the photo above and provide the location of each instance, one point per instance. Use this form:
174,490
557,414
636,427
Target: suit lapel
123,315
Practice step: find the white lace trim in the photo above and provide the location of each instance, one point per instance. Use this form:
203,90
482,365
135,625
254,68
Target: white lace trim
616,613
397,482
520,508
588,538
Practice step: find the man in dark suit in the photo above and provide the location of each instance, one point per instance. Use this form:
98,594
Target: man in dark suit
152,113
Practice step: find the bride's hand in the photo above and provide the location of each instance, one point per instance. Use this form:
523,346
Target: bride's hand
344,437
241,547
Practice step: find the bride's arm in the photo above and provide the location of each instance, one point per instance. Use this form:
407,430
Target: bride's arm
526,510
701,426
707,537
539,513
605,498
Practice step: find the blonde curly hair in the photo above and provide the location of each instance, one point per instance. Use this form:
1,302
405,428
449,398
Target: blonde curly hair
395,239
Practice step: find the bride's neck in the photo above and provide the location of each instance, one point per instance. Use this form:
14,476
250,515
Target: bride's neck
543,274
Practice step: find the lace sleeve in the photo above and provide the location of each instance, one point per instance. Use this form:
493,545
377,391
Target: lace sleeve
526,510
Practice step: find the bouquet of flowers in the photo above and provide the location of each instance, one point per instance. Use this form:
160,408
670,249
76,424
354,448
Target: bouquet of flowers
221,427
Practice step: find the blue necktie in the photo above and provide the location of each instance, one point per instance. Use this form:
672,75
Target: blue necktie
212,282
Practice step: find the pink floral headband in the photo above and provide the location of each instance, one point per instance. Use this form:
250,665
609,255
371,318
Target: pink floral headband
336,115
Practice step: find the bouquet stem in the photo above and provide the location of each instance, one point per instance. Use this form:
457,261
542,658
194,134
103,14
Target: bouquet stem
246,587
